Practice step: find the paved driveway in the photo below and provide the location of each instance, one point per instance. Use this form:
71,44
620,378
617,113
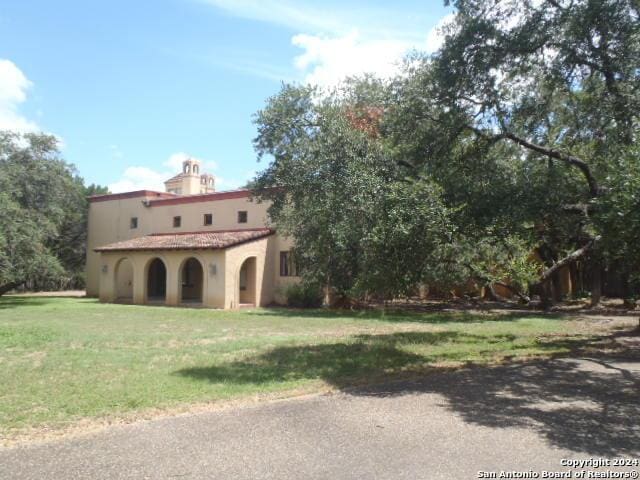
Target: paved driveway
446,426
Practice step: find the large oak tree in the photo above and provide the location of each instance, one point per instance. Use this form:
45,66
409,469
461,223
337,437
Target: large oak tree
520,133
43,212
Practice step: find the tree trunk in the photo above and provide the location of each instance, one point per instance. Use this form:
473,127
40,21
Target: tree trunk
556,287
573,272
572,257
596,283
523,298
8,287
546,295
495,296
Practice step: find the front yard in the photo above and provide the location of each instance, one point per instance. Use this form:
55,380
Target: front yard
69,361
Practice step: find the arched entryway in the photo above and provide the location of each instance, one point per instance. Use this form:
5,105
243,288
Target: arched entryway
247,282
191,281
156,281
124,281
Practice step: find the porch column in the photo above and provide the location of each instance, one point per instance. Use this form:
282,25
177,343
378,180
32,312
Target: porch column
139,279
173,280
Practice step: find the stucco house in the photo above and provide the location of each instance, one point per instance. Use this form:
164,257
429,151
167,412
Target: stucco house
189,245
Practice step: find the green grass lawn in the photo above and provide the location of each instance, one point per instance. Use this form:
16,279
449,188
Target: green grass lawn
64,359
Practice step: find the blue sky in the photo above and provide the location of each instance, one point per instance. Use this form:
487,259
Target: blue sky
132,87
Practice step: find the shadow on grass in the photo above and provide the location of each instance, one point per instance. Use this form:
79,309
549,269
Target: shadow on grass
571,402
337,363
394,316
364,357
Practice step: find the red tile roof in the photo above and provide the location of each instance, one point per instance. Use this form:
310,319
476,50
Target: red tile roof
201,197
174,178
157,199
188,241
125,195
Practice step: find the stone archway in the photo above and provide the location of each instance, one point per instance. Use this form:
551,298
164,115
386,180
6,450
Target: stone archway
124,281
156,281
247,288
191,281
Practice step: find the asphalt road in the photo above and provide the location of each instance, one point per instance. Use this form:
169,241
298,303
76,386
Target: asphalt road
445,426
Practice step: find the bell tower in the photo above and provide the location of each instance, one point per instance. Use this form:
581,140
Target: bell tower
191,181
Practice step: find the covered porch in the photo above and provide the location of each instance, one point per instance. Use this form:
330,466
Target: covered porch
208,269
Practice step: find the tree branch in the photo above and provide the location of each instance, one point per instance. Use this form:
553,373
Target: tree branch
580,164
9,286
581,208
489,283
515,291
556,4
572,160
569,259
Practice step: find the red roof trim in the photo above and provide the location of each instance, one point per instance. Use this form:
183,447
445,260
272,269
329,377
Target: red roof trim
202,197
159,199
265,232
231,230
125,195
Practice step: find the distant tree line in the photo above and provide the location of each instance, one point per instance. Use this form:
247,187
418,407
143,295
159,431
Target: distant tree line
509,154
43,215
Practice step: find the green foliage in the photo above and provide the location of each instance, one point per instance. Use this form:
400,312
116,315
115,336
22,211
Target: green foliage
618,214
43,212
303,295
523,118
359,225
517,136
23,246
107,366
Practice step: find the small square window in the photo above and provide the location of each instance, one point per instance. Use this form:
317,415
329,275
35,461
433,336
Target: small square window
133,223
177,221
208,219
242,216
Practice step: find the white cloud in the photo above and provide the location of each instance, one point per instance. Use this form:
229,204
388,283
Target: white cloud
339,40
140,178
435,37
328,60
144,178
279,12
13,91
175,162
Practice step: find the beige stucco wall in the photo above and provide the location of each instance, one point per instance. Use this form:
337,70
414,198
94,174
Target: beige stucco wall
124,279
234,258
225,215
221,273
109,222
213,283
279,284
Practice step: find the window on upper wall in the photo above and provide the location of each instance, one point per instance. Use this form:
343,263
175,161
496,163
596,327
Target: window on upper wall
242,216
288,265
208,219
177,221
133,223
